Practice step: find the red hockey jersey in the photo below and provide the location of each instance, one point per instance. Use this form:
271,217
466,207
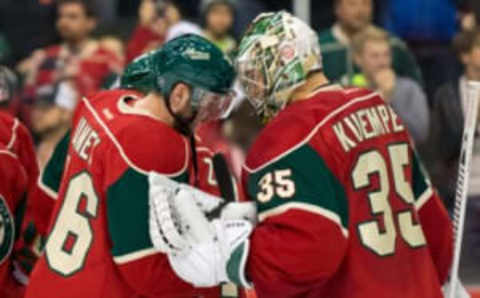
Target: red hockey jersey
345,209
15,137
13,185
211,133
46,190
99,244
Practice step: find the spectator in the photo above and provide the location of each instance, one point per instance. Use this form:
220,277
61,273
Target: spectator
372,52
450,105
218,21
150,31
51,116
116,46
468,21
179,16
78,57
448,118
352,17
470,15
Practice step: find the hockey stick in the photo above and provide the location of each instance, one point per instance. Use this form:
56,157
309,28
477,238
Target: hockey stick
227,191
225,184
473,94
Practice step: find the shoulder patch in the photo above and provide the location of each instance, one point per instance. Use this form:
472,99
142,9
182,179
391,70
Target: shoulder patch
7,230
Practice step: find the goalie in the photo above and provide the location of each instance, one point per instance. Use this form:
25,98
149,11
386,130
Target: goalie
344,207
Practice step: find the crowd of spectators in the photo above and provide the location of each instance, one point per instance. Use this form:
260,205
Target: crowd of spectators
417,54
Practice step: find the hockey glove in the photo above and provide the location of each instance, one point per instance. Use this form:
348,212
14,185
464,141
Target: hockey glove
219,248
202,251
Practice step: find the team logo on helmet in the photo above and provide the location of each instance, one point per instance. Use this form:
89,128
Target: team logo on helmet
197,55
7,230
287,52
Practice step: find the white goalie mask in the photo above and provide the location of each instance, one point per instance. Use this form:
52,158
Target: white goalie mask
275,56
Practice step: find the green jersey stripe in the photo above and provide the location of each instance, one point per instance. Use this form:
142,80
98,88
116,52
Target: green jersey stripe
299,180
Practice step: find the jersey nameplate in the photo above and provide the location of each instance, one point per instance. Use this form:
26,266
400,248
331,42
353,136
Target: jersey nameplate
85,139
366,124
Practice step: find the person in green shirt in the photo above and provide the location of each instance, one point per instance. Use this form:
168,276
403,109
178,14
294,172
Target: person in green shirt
218,21
354,16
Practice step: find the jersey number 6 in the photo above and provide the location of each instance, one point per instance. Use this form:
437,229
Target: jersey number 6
381,242
69,241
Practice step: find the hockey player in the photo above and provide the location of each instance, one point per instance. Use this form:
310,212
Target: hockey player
45,193
18,174
98,244
46,190
14,136
344,207
14,183
42,199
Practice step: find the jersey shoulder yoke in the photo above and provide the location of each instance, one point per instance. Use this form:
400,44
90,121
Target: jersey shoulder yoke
298,123
144,143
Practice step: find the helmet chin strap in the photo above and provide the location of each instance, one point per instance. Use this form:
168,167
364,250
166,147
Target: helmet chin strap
182,125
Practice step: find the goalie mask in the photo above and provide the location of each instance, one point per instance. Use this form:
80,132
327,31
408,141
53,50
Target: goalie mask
275,56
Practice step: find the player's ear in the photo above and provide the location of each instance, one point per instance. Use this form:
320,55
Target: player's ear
180,98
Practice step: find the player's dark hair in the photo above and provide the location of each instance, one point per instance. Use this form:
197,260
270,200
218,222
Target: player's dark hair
465,41
87,5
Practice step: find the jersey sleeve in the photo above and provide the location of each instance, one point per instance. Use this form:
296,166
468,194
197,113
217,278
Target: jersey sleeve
13,186
140,264
13,177
143,268
302,235
26,155
434,219
44,195
39,207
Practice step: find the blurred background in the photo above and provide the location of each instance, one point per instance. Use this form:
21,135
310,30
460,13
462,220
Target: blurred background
417,53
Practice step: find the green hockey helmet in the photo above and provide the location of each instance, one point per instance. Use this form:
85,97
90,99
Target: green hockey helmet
188,59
